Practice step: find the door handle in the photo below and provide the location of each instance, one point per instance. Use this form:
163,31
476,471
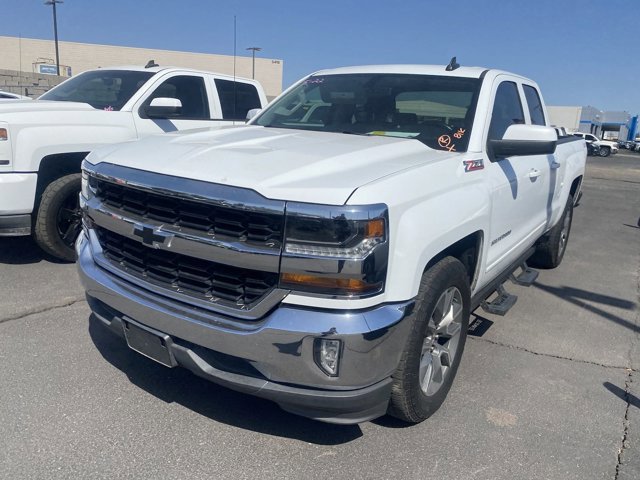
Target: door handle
554,165
534,173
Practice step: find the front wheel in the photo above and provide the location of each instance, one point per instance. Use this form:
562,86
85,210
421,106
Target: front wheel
604,151
59,219
434,348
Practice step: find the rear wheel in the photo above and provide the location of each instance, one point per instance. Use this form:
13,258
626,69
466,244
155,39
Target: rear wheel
551,247
59,218
433,351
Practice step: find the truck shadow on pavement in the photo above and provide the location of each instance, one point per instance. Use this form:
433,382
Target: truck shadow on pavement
580,297
178,385
22,251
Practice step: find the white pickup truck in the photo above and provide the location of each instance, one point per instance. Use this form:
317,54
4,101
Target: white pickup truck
328,256
42,143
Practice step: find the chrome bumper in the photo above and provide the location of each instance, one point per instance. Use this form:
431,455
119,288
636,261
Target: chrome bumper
278,348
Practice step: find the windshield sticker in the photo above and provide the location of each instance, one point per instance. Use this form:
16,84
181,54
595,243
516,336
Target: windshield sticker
108,108
445,142
473,165
312,80
460,133
382,133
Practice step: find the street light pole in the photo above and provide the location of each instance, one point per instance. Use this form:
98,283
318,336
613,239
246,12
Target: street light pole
253,54
55,30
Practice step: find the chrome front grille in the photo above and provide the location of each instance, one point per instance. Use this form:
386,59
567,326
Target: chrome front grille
184,274
248,226
212,246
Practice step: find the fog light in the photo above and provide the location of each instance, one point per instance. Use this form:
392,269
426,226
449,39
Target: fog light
327,355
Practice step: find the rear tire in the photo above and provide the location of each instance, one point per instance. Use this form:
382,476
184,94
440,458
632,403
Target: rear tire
59,220
551,247
434,348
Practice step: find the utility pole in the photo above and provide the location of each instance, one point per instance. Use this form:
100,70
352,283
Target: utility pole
55,30
253,54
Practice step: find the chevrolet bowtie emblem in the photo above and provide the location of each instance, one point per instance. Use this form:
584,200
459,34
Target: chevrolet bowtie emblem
151,237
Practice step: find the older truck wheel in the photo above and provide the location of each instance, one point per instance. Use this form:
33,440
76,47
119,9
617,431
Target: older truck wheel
551,247
59,220
434,348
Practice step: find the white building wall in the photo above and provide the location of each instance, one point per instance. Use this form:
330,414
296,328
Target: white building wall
567,117
23,54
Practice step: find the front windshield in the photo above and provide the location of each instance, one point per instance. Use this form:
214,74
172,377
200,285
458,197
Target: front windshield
102,89
437,110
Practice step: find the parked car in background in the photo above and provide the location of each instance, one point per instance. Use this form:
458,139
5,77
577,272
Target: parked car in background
593,149
606,147
43,142
12,96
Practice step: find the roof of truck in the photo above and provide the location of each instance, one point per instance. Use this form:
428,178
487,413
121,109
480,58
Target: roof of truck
471,72
161,68
466,72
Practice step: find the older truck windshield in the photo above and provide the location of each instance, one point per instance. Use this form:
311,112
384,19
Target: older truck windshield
437,110
102,89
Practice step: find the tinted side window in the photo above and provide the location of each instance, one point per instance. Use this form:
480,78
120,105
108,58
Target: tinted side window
236,99
191,92
507,110
535,105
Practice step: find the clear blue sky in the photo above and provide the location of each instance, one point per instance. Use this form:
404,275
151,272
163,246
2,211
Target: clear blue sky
581,52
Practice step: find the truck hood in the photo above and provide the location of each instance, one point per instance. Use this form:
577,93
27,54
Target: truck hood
296,165
42,106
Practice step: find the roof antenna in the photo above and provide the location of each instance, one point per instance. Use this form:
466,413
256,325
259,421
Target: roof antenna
452,65
151,64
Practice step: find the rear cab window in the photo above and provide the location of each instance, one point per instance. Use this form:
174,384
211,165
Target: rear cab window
237,98
534,103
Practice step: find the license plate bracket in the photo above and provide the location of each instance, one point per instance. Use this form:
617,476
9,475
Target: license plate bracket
148,342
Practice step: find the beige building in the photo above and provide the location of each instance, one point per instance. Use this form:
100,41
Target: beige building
38,56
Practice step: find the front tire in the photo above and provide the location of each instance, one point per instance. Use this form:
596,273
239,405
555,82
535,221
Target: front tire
434,348
551,247
59,219
605,151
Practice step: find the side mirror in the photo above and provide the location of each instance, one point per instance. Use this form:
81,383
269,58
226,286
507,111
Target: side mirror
253,112
524,140
163,107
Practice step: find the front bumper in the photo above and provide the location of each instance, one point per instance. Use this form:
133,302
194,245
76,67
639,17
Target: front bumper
273,357
15,225
17,192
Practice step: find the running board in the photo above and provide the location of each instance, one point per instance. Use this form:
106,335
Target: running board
526,277
501,304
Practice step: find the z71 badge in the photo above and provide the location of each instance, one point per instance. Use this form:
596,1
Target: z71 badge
473,165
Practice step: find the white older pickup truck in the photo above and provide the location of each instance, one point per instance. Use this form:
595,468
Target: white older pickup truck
327,256
43,142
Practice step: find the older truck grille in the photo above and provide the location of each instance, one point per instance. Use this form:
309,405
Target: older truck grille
247,226
184,274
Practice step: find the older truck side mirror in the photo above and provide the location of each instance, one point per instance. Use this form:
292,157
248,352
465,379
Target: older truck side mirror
524,140
163,107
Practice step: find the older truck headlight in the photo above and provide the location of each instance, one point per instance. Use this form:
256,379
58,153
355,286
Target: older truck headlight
5,145
338,251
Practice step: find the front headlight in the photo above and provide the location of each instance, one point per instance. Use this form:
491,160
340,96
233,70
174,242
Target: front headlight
339,251
86,188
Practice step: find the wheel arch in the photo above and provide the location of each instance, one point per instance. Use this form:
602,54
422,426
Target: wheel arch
468,250
55,166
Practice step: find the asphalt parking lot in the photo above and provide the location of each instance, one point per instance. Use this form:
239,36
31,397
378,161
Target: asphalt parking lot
552,390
